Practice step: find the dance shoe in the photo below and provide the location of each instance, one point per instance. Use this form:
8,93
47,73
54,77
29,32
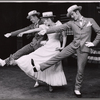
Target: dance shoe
11,60
50,88
2,62
77,93
36,69
36,85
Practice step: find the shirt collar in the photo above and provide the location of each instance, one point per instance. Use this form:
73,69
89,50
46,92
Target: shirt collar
81,18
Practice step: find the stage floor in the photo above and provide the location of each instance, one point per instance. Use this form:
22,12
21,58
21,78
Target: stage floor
15,84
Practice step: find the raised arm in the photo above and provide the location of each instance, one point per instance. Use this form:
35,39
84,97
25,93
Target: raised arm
15,33
56,29
41,27
30,31
59,28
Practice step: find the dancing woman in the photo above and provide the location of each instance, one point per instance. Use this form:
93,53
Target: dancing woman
53,76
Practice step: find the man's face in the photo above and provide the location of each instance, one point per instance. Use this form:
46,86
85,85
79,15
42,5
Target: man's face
46,21
74,15
33,19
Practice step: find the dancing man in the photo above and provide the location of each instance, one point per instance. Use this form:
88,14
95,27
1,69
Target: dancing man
82,29
34,17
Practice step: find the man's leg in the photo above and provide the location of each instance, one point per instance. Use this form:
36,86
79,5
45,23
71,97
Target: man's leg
23,51
81,61
67,51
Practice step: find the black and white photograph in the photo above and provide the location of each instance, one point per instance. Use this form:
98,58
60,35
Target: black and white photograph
49,49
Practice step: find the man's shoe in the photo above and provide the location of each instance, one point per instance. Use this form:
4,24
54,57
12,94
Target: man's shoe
11,60
2,62
78,93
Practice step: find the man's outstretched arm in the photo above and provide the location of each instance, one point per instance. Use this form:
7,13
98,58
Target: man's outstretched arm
15,33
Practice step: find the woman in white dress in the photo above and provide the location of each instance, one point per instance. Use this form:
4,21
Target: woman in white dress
53,76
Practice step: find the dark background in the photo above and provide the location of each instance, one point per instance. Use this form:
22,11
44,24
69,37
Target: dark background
13,17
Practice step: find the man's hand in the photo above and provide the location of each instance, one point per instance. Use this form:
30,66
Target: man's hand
42,32
20,34
7,35
89,44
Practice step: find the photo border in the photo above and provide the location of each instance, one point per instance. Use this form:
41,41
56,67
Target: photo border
22,1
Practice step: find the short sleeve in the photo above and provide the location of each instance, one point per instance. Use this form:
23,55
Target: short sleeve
58,23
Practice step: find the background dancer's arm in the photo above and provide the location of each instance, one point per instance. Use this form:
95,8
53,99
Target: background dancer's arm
30,31
15,33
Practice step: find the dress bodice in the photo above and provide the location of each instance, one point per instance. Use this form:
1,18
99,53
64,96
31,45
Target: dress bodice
52,36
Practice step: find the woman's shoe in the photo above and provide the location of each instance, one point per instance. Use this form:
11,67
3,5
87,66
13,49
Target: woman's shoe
34,69
2,62
36,85
50,88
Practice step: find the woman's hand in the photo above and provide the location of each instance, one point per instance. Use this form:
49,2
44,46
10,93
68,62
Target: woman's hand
43,42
